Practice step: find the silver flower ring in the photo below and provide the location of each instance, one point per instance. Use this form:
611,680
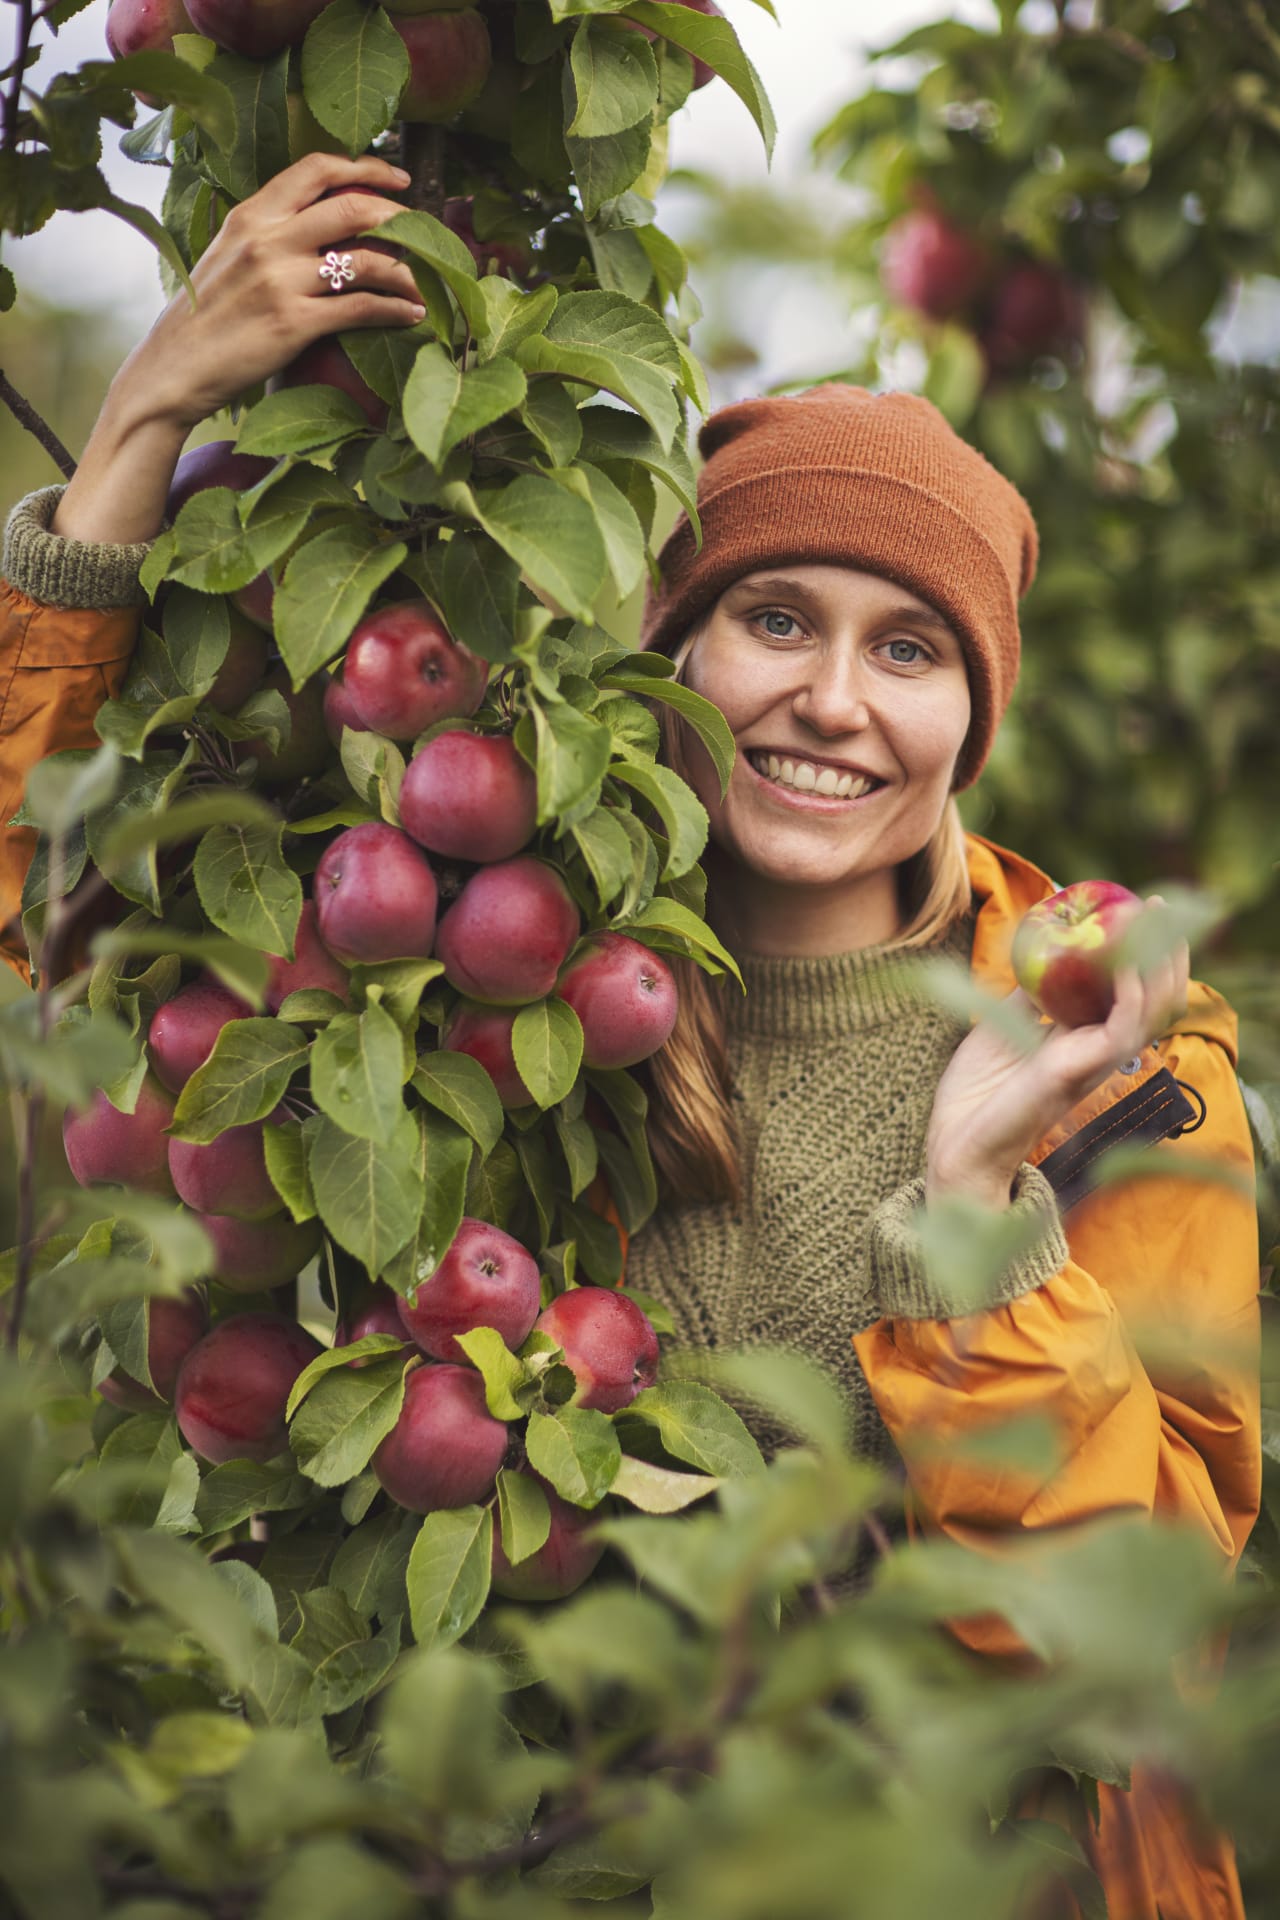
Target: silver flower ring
335,268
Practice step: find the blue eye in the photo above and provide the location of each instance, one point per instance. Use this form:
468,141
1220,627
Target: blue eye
915,652
781,630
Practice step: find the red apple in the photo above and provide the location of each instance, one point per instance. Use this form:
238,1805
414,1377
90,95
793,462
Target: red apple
1036,310
625,997
566,1558
227,1175
470,796
446,1447
307,750
375,896
255,28
376,1311
449,60
144,26
931,265
105,1146
609,1345
486,1279
340,713
325,364
1066,950
183,1031
234,1385
506,936
485,1033
256,601
252,1256
215,464
312,965
404,671
510,257
173,1327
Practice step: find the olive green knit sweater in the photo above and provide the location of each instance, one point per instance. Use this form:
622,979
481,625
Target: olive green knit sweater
834,1064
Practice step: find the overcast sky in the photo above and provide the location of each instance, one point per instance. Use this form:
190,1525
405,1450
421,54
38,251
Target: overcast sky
810,62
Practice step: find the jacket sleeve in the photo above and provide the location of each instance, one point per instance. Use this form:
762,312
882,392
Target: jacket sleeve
68,624
1167,1424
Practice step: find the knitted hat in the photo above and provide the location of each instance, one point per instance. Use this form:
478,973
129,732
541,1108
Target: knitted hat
874,481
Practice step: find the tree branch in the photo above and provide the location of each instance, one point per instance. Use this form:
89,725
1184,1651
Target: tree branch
23,411
422,157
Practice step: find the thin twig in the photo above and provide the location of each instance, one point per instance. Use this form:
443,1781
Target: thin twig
25,413
13,99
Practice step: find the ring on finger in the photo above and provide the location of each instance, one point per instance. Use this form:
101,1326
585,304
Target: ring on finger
338,269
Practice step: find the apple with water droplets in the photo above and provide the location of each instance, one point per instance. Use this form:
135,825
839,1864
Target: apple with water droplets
624,995
234,1385
486,1279
446,1447
609,1345
404,671
566,1558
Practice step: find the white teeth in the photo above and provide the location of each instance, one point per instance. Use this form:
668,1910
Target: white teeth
805,777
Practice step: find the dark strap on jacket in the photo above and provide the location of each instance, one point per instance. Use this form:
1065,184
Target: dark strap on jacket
1157,1110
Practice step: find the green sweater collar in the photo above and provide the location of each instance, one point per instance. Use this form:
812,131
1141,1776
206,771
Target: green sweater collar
802,998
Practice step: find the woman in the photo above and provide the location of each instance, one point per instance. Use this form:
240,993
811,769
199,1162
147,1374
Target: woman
853,611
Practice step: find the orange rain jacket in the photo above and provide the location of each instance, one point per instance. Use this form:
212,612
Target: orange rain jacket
1176,1252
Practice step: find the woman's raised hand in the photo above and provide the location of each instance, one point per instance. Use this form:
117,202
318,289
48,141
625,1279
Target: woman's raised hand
996,1101
260,299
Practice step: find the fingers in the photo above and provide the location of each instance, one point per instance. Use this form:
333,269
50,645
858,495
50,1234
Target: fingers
373,272
330,222
318,173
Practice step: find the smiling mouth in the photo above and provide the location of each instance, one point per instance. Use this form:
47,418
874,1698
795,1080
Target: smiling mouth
809,776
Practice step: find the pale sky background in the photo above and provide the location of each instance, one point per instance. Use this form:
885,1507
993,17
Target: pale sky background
810,63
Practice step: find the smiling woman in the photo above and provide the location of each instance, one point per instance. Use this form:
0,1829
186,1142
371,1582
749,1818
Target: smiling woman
852,609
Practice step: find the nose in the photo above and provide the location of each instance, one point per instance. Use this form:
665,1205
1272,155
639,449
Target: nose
832,697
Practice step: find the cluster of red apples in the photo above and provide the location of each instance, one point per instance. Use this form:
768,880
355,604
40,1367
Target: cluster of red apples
1020,309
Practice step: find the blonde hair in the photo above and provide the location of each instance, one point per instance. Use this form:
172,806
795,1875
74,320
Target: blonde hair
691,1128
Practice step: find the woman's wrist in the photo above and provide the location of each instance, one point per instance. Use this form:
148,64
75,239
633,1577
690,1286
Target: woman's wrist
118,492
991,1187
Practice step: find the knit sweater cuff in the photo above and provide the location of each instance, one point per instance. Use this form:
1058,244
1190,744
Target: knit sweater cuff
922,1275
57,572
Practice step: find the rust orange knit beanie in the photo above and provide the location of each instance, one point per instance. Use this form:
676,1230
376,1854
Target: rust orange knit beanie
874,481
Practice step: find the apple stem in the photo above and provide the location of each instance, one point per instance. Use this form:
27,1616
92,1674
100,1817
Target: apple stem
422,156
23,411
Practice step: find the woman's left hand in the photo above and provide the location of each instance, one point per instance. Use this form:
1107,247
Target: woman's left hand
995,1102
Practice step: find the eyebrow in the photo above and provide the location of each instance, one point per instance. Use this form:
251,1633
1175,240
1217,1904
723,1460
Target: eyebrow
782,583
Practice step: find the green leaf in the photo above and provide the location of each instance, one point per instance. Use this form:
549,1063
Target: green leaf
299,419
524,1515
612,342
242,970
500,1370
706,720
246,888
578,1145
459,1087
431,241
356,1073
606,847
243,1079
230,1493
610,435
546,1040
370,1346
615,79
696,1425
141,818
604,169
681,812
552,537
551,414
658,1489
369,1566
619,526
285,1150
175,1580
201,96
511,314
573,755
327,586
215,552
260,149
448,1574
711,38
354,69
443,405
345,1415
481,588
368,1196
670,917
443,1162
577,1450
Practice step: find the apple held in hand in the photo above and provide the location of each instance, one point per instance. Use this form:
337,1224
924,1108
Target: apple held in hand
625,997
107,1147
506,936
486,1279
375,896
567,1557
609,1344
173,1327
446,1447
1066,950
404,671
234,1385
470,796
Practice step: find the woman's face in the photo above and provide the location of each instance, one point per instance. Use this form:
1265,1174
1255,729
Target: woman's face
848,699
